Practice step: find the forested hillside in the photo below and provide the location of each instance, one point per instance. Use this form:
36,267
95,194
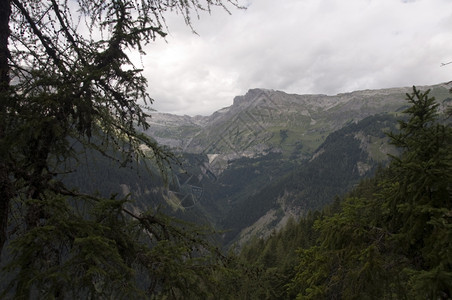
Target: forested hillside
389,238
339,163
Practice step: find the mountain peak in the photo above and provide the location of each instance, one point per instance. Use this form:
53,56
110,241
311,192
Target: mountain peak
250,96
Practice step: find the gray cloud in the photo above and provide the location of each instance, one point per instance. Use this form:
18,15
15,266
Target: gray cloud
307,46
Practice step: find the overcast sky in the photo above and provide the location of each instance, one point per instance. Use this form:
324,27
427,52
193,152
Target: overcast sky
299,46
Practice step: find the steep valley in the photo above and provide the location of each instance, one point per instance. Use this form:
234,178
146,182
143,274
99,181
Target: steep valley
249,168
272,156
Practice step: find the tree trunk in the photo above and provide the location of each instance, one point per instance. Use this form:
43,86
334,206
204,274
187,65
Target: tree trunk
6,190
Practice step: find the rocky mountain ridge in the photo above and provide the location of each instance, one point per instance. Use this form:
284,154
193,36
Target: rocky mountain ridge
264,121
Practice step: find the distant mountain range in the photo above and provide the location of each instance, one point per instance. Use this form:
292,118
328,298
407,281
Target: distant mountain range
272,155
265,121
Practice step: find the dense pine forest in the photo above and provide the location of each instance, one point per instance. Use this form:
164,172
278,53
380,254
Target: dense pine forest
389,238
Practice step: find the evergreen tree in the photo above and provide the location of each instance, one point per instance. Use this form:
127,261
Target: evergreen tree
66,81
393,238
419,198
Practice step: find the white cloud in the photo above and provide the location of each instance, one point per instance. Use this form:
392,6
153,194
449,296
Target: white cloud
309,46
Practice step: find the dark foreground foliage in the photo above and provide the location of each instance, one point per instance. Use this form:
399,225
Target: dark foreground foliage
69,87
